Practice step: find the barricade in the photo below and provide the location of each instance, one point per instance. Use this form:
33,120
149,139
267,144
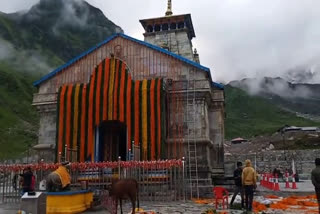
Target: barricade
158,180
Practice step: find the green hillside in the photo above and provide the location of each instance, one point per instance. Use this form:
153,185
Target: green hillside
32,44
57,29
53,32
249,116
18,119
296,97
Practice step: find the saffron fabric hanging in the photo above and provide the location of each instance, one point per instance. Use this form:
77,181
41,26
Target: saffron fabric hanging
111,95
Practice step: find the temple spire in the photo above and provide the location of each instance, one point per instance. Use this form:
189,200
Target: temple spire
169,10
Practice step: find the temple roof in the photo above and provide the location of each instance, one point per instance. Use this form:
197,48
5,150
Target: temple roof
156,48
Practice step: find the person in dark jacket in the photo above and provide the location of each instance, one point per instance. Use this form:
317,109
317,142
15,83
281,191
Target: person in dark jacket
26,180
315,177
238,184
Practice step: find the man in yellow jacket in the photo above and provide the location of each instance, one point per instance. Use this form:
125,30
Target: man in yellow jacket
249,182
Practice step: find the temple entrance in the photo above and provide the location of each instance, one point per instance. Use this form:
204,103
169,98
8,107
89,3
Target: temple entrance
111,141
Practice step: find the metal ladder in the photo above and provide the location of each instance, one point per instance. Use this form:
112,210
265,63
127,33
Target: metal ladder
191,124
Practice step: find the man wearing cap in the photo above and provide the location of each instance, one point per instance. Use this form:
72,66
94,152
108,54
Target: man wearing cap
238,184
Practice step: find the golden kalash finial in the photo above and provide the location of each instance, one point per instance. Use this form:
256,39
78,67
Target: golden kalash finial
169,10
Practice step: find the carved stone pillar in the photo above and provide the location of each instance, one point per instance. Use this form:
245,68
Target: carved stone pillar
47,108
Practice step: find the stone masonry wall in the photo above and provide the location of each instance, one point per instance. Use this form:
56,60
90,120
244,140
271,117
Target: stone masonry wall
177,42
268,160
47,129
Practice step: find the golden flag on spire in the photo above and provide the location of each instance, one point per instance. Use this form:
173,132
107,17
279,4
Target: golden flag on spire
169,10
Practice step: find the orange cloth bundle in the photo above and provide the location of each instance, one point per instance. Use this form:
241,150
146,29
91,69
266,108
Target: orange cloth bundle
258,207
308,203
279,206
289,201
64,176
272,196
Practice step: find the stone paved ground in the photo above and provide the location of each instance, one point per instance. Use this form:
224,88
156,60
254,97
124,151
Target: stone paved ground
9,209
187,207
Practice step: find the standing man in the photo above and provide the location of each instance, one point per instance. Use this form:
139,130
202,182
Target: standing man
315,177
249,182
27,180
238,182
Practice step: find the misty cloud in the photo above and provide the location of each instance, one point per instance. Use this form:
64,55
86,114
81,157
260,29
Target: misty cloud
275,86
65,13
237,38
264,38
73,13
304,74
29,60
16,5
6,50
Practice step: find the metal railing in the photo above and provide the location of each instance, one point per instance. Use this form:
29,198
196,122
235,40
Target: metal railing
158,180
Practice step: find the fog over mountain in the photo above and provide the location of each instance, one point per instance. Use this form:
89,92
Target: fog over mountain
278,86
51,32
301,98
236,39
34,42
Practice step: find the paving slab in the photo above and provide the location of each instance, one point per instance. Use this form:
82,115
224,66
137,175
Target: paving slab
188,207
9,208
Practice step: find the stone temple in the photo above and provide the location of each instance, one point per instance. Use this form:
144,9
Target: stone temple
141,100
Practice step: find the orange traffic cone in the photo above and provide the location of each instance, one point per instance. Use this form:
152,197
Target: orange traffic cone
294,185
287,180
269,182
262,180
265,183
276,184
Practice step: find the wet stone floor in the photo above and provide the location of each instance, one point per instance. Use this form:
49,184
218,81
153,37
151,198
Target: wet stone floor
188,207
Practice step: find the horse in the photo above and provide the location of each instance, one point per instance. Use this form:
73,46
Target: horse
125,189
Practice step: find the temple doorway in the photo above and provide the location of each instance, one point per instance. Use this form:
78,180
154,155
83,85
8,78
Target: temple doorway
111,141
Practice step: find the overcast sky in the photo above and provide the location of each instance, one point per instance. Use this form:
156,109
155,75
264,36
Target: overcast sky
235,38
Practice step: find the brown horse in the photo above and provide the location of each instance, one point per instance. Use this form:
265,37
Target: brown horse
125,189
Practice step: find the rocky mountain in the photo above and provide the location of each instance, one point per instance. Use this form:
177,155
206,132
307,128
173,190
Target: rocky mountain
300,98
57,28
52,32
301,74
252,115
33,43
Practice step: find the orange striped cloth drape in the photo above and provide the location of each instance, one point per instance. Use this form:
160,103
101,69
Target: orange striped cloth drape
112,94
